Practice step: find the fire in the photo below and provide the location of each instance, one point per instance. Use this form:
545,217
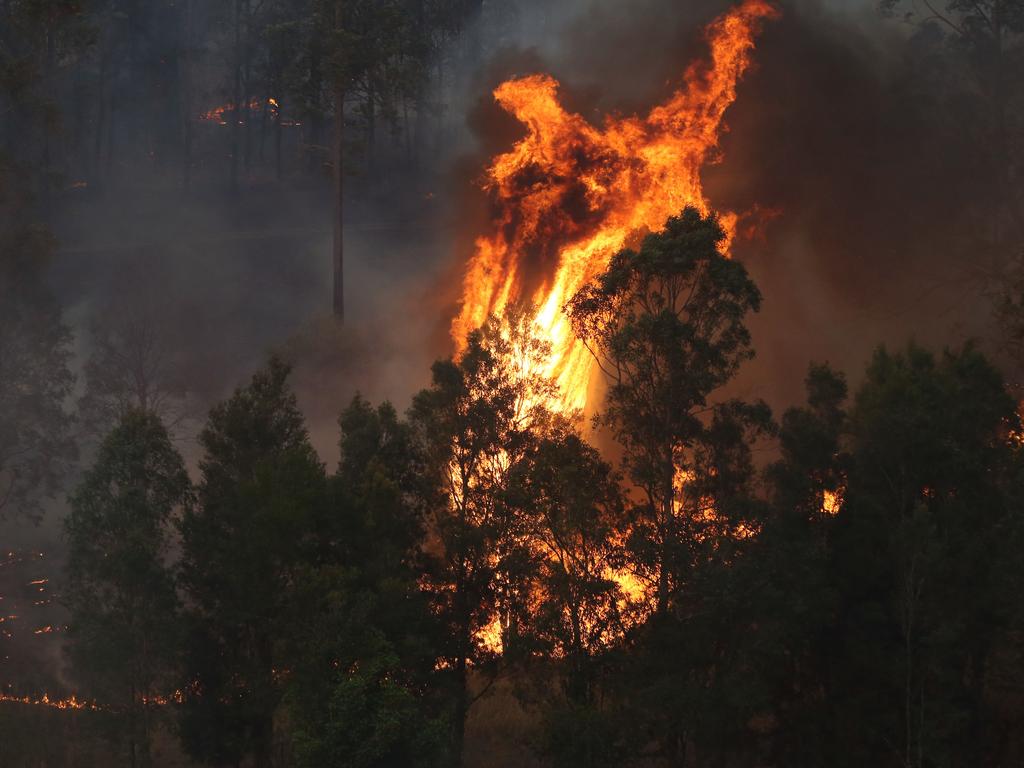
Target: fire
70,702
832,502
222,113
569,195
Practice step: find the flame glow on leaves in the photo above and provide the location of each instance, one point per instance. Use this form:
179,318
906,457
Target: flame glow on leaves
569,195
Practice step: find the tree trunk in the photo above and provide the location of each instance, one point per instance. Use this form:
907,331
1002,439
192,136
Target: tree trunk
667,516
102,101
338,179
419,130
315,107
263,752
247,94
338,250
185,62
278,159
51,92
236,112
461,710
132,725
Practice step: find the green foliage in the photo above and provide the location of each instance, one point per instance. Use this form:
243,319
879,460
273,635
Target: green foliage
574,508
666,325
865,631
370,721
365,638
915,548
476,423
124,631
259,505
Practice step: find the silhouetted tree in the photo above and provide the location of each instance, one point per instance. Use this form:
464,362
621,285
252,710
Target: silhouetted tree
666,325
915,553
245,542
475,422
124,631
573,506
363,691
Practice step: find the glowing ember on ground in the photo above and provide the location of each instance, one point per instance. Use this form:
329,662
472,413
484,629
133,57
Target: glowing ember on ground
70,702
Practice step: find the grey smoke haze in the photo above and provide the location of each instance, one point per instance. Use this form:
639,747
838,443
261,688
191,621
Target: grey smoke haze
843,128
871,242
846,128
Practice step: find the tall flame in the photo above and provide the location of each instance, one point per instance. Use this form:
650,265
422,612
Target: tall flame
569,195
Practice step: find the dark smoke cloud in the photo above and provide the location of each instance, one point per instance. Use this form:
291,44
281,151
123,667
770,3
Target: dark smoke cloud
852,130
850,126
837,129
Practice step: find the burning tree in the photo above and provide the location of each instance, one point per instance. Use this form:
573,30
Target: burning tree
570,195
666,326
476,423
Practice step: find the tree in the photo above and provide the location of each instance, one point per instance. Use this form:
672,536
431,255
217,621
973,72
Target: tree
131,365
360,41
39,41
35,351
985,37
915,556
666,325
120,590
253,529
361,694
776,604
475,422
574,510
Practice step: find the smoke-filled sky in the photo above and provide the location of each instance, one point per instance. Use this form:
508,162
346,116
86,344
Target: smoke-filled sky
832,138
847,138
852,148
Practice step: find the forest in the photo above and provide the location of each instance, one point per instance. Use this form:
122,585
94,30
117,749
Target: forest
495,383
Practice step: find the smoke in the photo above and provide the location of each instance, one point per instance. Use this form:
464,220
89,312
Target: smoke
834,131
855,131
856,147
851,131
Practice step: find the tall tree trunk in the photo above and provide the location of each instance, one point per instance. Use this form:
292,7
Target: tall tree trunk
247,93
461,710
102,102
371,122
338,178
264,117
51,93
338,251
278,160
263,752
236,112
315,106
132,725
667,518
111,113
185,62
419,130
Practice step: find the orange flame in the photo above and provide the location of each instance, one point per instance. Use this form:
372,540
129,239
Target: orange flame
71,702
569,195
